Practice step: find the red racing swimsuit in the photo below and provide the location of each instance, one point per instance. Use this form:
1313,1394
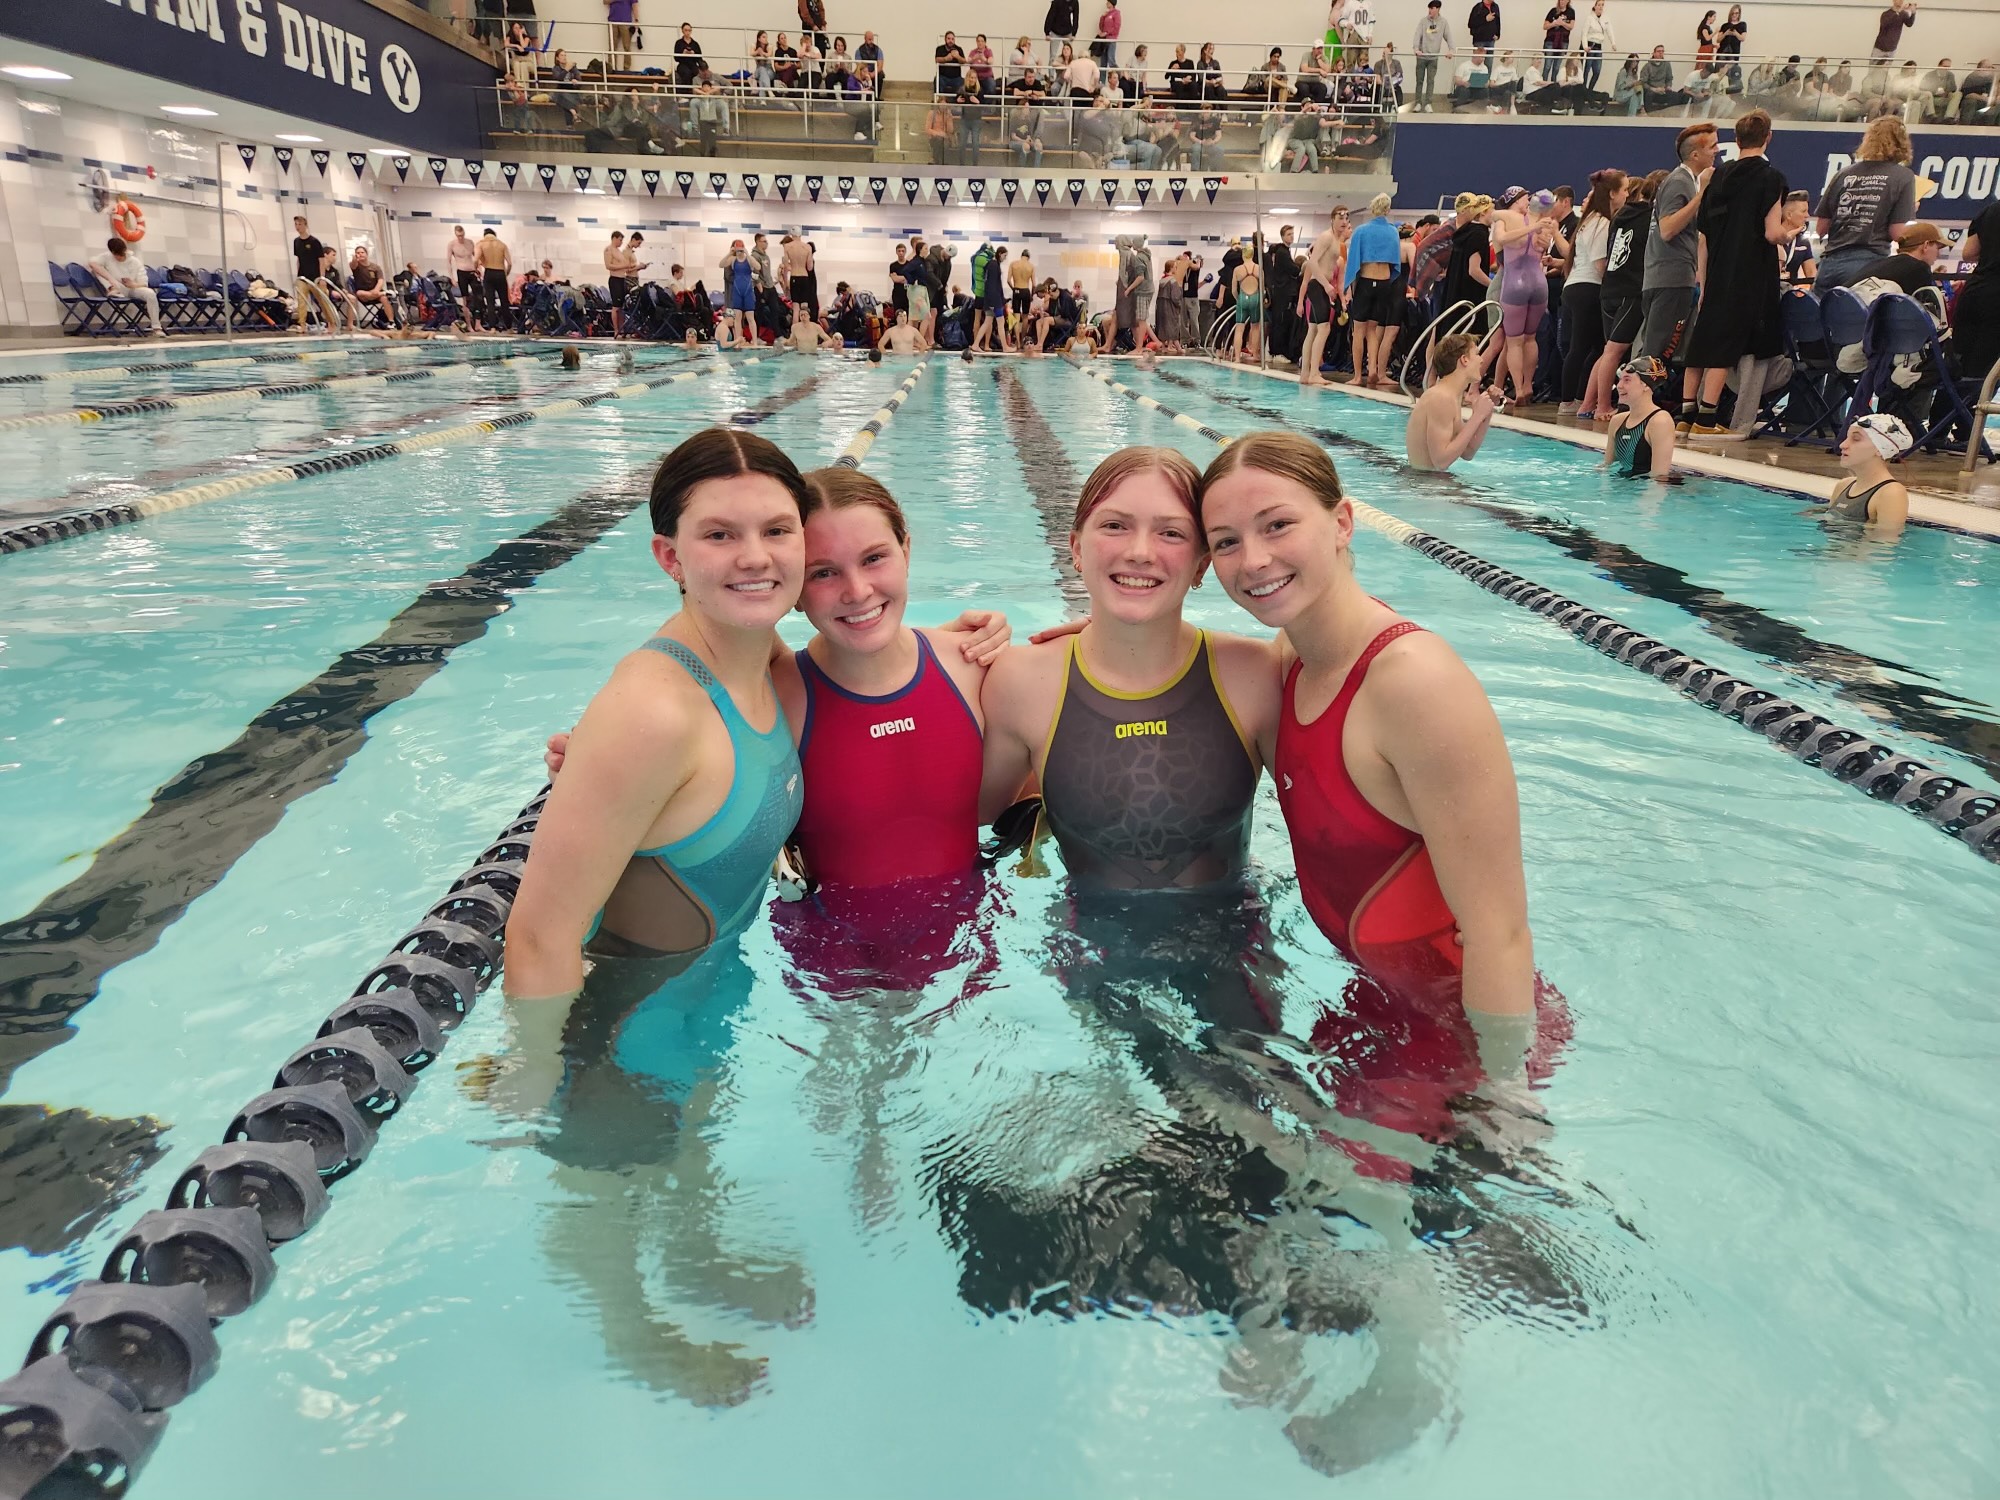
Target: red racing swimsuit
1400,1046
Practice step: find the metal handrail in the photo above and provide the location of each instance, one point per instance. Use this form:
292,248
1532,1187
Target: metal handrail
1431,334
1986,406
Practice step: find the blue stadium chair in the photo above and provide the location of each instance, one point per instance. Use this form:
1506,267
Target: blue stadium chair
75,310
1818,391
103,313
1898,327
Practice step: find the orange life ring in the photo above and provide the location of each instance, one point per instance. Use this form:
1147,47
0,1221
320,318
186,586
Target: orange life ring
127,222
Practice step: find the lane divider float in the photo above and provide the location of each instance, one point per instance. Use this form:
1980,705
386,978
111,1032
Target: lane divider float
857,449
1960,809
167,366
124,512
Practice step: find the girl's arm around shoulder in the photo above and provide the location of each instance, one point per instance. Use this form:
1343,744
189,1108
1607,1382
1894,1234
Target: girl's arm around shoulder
1018,701
632,752
1252,676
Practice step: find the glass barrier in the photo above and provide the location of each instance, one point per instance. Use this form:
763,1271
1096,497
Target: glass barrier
1025,131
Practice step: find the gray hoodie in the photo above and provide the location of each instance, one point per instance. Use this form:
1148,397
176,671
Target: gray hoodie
1434,36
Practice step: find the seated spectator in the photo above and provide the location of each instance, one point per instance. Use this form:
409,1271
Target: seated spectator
1469,82
1268,83
1134,73
123,274
785,65
1024,126
1656,83
1975,95
1626,90
1210,73
517,110
1312,82
812,64
1098,131
1183,86
1939,92
950,65
838,65
870,51
979,61
520,53
709,111
1503,85
941,129
857,99
1021,59
562,73
687,58
365,277
1911,267
1205,141
1389,72
1305,142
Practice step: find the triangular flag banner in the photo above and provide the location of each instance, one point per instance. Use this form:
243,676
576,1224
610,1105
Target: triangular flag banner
582,176
548,175
284,155
751,182
911,187
1211,186
1008,189
977,187
402,166
511,170
1145,187
783,183
1043,187
1177,186
718,183
359,161
249,155
475,170
322,160
439,166
1075,191
617,176
652,180
1109,187
685,182
943,186
878,186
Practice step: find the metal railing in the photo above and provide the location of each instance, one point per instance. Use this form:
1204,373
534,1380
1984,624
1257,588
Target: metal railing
659,119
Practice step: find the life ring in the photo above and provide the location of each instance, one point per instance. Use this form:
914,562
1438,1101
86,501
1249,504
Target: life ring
127,222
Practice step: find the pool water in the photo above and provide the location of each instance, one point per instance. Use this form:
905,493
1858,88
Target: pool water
1044,1225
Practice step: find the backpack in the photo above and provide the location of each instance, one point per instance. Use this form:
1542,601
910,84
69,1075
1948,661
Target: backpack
982,260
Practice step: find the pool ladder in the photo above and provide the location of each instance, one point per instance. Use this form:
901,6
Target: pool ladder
1457,318
1986,406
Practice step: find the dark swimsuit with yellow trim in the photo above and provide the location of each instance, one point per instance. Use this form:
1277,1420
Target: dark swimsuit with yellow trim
1149,791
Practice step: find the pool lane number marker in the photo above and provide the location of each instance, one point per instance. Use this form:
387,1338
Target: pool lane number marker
1968,813
124,512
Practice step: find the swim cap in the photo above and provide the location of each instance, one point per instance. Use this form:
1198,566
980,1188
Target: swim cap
1512,196
1542,198
1646,367
1890,437
1465,202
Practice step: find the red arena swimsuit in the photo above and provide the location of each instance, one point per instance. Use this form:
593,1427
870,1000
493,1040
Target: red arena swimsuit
892,783
1399,1047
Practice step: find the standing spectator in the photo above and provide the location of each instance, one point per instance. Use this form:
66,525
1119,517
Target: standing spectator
687,57
495,262
1866,205
1105,48
1483,25
1082,75
620,280
1704,41
980,61
1433,41
760,63
461,260
623,16
1205,140
760,265
1656,83
1556,27
950,65
972,116
1582,293
309,256
1976,319
1898,18
812,21
1621,302
1059,25
942,133
1729,41
1021,281
1742,220
1597,37
1672,243
123,274
900,276
710,110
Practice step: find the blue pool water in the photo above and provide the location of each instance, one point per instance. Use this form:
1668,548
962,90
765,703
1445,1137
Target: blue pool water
1019,1233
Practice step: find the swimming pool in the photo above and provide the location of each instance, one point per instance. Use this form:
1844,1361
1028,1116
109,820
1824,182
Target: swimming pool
1032,1229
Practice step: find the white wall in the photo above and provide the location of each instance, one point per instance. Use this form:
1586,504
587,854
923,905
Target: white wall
1963,30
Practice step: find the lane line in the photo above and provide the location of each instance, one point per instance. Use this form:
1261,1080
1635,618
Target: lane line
1959,809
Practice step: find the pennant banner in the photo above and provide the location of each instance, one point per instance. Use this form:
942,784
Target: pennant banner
1075,191
583,175
439,166
1145,187
783,183
1043,187
751,182
511,170
322,160
617,177
718,183
475,170
1177,186
548,175
977,187
249,155
911,187
943,186
284,155
651,178
358,160
878,186
685,182
1109,187
402,166
1211,186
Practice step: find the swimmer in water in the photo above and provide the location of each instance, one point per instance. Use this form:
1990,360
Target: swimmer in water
1870,494
1393,774
1440,432
1640,444
904,337
572,359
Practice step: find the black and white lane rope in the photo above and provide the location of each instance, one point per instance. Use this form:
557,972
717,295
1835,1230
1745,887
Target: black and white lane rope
1961,809
86,373
124,512
92,1401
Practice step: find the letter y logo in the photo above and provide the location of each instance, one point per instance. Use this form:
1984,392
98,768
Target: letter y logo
406,89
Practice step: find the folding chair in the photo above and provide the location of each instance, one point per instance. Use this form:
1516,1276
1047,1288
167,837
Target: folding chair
1899,327
100,313
1843,323
75,311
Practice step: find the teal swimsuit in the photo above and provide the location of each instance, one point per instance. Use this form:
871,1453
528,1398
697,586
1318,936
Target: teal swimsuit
724,865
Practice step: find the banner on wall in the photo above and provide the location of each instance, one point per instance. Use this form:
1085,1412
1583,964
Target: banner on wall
344,63
616,176
402,166
1145,187
651,178
976,186
751,182
943,186
358,162
475,170
1043,187
511,170
322,160
249,155
548,175
783,183
1109,187
718,183
1075,191
911,187
1211,186
1009,189
878,186
583,176
439,166
284,156
1177,186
